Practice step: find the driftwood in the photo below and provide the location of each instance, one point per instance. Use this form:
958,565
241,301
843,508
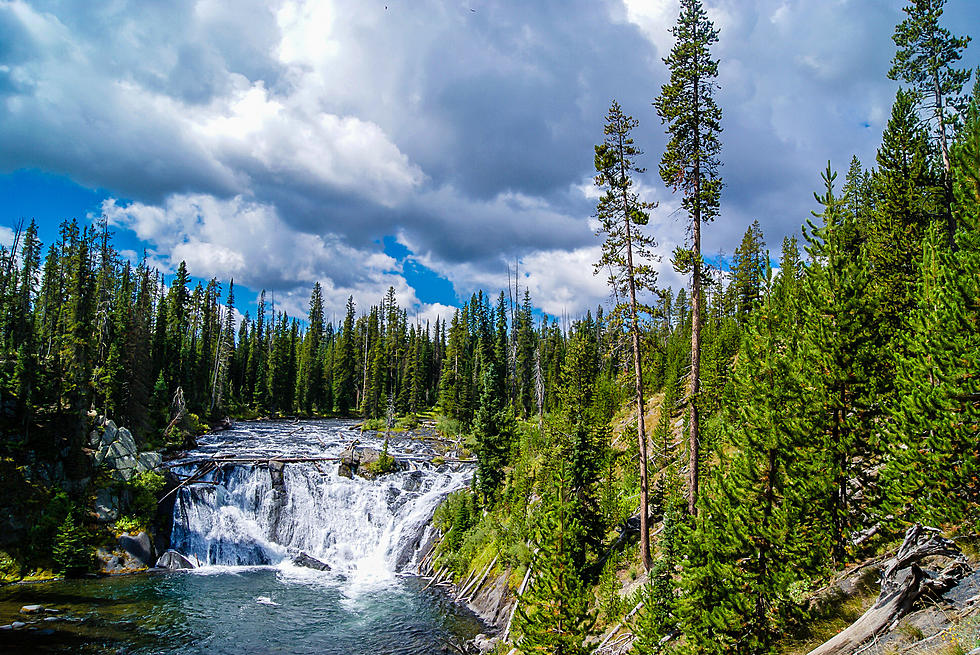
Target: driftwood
903,582
192,479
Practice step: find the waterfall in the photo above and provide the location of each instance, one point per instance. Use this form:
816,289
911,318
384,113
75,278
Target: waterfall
366,529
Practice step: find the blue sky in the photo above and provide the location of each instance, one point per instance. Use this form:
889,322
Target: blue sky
367,144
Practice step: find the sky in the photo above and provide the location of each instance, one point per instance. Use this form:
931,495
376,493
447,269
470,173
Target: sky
432,146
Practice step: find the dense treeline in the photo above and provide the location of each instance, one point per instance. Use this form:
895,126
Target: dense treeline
83,329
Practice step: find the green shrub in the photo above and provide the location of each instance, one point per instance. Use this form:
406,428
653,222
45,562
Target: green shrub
448,427
409,422
128,524
377,424
384,464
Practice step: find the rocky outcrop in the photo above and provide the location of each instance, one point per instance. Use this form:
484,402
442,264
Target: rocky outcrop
116,450
363,462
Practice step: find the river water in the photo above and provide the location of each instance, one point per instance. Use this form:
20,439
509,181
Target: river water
244,529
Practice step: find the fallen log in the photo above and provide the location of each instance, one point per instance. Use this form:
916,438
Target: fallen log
900,590
264,460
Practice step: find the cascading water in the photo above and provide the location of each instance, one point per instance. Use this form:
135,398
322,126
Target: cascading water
242,515
245,524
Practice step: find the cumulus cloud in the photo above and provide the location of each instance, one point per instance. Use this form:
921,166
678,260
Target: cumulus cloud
247,241
279,142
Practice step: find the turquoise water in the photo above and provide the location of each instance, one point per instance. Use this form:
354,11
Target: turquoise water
230,611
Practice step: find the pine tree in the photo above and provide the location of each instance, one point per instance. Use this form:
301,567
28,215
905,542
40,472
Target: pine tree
748,270
553,615
310,393
343,372
934,468
627,255
690,164
840,345
747,546
493,429
906,195
925,56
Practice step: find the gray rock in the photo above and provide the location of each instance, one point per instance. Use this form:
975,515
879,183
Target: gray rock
413,482
126,438
49,619
483,644
148,461
17,625
106,505
6,627
139,547
173,561
31,609
276,471
310,562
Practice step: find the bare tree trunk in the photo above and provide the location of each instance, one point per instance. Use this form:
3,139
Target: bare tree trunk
641,434
694,380
947,164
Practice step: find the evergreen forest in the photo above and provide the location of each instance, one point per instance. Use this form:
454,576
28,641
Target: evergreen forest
731,444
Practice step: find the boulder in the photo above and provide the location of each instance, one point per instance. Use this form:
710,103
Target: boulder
138,547
367,457
31,609
348,464
16,625
310,562
149,461
173,561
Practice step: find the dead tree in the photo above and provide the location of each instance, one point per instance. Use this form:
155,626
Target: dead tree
903,582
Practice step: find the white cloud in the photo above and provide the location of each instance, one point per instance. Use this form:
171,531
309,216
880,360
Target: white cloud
248,241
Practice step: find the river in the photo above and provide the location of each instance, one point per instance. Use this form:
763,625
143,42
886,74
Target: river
247,596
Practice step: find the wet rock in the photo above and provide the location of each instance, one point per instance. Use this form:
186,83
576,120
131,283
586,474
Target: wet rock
349,462
49,619
16,625
31,609
413,482
276,470
6,627
310,562
138,547
107,505
173,561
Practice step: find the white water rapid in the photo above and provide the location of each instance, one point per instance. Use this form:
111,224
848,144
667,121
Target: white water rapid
366,530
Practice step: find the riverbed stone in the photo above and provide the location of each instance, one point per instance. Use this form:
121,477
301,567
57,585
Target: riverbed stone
173,561
16,625
310,562
31,609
